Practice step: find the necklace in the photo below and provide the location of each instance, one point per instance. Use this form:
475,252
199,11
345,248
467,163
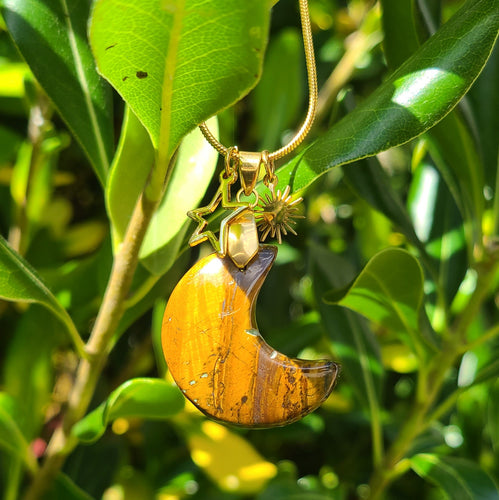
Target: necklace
211,342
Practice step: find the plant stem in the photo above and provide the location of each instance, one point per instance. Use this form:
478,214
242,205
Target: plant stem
38,126
98,346
414,425
358,45
431,384
486,274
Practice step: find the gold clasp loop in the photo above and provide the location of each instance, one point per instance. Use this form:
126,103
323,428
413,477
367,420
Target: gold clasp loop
249,168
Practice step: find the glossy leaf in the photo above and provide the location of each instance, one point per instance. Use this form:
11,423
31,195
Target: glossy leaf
458,478
439,225
194,169
279,94
228,459
407,104
12,440
388,291
51,36
19,282
141,398
458,160
198,57
351,338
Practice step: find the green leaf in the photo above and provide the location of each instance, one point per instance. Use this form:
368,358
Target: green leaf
352,340
439,225
28,373
140,398
484,99
19,282
419,94
12,440
131,166
455,155
388,291
51,36
371,183
279,95
458,478
178,62
194,169
400,31
458,159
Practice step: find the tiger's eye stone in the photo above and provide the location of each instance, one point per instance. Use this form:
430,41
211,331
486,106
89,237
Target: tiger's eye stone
218,357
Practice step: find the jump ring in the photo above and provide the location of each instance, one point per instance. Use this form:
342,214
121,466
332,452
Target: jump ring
250,205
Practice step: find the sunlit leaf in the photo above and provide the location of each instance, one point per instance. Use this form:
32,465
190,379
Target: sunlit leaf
197,58
194,169
12,79
407,103
457,159
51,36
351,338
228,459
141,397
131,165
388,291
458,478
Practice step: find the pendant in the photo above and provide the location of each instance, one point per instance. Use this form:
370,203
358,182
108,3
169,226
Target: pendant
210,338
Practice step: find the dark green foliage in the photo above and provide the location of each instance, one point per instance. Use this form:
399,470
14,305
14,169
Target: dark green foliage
394,273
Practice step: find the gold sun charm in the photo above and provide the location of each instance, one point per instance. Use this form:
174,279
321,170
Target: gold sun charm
275,213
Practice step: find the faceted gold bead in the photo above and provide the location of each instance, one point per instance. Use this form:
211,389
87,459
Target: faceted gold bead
242,239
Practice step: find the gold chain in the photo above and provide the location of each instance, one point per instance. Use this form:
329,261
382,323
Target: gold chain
312,99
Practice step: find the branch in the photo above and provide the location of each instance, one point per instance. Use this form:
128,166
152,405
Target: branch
97,347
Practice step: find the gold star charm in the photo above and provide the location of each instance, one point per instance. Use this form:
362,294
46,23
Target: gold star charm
221,196
275,213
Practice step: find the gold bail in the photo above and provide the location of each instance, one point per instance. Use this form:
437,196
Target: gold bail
249,168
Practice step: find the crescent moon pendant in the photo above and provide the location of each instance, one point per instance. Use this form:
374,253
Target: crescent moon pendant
220,361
